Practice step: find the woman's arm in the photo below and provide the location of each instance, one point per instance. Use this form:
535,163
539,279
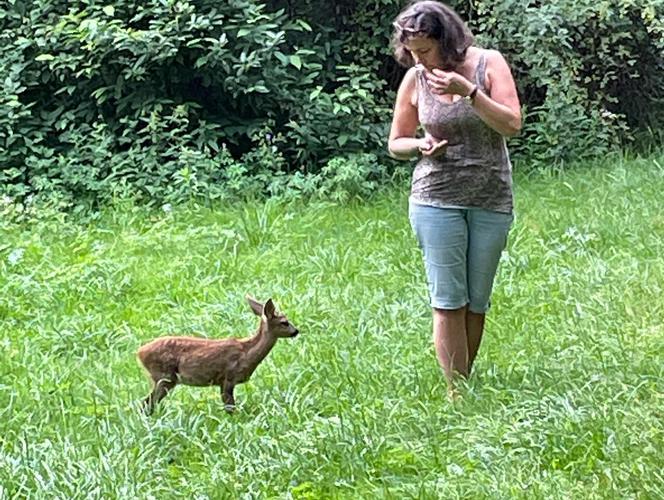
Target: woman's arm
402,143
500,108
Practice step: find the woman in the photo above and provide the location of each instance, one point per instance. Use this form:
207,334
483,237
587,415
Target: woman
460,205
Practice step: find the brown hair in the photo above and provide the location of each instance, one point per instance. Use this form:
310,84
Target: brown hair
432,20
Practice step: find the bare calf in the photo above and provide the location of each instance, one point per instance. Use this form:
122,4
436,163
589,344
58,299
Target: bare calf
206,362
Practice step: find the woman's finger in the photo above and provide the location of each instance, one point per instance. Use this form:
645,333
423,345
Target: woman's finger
439,148
436,149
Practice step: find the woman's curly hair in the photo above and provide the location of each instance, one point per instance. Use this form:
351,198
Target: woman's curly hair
432,20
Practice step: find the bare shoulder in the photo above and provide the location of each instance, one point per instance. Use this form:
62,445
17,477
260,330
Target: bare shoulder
495,60
408,87
498,71
410,76
409,82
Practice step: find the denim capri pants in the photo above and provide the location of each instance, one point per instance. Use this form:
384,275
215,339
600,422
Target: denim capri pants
461,248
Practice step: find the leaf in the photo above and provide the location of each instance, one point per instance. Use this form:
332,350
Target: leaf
44,57
212,143
342,139
282,57
243,32
304,25
109,10
296,61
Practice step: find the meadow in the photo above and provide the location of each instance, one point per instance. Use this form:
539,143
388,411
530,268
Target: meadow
566,399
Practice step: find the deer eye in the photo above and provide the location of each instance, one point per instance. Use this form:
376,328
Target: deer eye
284,322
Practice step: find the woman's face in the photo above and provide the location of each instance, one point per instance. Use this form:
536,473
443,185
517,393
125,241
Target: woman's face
425,51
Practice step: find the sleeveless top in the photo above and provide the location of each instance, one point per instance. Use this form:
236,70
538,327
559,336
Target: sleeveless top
475,170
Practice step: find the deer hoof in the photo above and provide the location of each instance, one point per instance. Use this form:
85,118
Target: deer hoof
229,408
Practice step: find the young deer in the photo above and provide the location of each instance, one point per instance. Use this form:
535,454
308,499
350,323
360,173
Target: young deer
205,362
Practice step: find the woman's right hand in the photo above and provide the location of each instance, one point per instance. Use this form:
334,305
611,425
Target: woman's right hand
432,146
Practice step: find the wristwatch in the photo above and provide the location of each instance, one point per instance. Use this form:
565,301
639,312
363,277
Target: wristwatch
469,98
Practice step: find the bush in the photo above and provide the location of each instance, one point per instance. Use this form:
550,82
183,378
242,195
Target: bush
168,100
144,96
589,72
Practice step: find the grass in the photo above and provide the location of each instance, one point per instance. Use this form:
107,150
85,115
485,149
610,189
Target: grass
567,400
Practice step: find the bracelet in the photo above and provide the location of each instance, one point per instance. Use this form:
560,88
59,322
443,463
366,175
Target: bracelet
471,96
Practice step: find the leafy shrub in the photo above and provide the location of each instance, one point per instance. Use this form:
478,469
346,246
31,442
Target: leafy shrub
349,119
355,176
174,99
588,71
144,96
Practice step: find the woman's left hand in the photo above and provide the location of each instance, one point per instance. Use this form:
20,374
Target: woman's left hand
448,82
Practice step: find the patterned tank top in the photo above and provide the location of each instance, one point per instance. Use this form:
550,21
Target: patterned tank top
475,170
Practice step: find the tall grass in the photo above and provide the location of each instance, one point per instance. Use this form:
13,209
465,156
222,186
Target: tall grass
567,398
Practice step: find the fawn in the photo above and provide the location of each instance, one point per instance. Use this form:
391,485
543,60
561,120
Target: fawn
205,362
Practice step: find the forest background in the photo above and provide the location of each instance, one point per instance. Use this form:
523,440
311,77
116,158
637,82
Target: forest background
165,101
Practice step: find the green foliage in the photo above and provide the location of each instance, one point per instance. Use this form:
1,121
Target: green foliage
144,96
353,177
178,99
349,119
590,72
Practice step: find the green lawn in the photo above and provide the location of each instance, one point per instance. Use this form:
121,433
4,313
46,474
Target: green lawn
567,398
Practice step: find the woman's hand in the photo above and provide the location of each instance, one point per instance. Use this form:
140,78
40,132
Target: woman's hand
448,82
496,103
432,146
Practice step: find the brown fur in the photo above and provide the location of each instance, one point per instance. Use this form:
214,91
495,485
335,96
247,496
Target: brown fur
205,362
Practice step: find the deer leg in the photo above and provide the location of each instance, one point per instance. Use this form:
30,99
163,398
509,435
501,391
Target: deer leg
162,387
227,396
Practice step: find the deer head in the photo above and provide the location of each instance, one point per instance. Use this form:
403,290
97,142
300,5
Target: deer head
272,322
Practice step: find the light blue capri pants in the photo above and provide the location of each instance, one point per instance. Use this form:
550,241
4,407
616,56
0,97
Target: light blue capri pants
461,248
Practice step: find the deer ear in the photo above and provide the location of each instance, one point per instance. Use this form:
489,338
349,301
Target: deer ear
256,306
268,309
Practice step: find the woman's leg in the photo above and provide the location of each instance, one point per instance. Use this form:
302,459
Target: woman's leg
487,236
451,342
443,237
474,331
